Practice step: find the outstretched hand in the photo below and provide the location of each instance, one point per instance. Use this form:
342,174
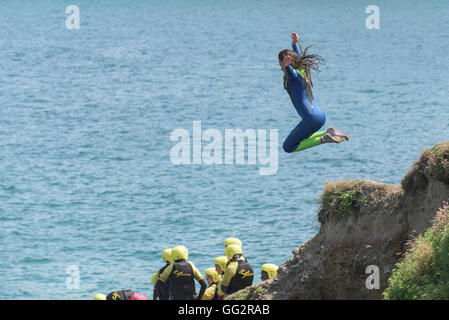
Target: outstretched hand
295,38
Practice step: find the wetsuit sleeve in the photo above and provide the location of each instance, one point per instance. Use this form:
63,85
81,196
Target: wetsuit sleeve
196,273
296,49
203,285
199,277
164,276
162,279
209,293
157,289
154,279
230,272
219,292
154,293
291,72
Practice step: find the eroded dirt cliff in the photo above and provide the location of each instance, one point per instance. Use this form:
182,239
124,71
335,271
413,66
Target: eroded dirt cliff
363,223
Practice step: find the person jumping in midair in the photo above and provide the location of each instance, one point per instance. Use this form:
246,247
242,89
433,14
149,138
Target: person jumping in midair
296,65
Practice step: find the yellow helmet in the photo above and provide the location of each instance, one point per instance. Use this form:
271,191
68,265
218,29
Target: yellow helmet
155,277
232,250
271,269
166,255
221,262
179,252
230,241
100,296
213,273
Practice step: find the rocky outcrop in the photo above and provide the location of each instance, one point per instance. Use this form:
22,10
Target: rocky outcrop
363,223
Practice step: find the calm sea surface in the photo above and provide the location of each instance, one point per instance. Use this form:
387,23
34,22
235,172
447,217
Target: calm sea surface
86,115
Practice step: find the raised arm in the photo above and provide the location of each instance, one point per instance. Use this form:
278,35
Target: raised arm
295,39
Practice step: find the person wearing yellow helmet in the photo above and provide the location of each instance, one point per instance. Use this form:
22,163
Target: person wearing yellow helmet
181,275
229,241
238,274
166,256
100,296
220,264
236,241
212,278
220,267
268,271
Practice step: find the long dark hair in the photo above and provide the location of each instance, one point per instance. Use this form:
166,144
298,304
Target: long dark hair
305,62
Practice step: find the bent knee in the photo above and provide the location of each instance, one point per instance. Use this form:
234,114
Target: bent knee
288,147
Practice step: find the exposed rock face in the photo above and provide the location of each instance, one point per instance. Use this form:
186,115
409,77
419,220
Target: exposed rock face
363,223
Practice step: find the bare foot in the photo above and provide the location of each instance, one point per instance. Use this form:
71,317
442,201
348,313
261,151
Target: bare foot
335,133
328,138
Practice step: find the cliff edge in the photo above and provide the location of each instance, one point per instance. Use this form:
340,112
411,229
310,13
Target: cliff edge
363,223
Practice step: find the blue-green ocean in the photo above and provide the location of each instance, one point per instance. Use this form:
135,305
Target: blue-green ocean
86,178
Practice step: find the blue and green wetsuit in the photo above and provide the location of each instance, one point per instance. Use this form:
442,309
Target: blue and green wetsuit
305,134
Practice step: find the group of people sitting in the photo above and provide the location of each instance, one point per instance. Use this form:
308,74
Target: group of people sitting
176,279
232,272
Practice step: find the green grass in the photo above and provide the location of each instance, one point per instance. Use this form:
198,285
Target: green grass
433,162
423,273
257,291
240,295
245,293
438,161
342,196
346,202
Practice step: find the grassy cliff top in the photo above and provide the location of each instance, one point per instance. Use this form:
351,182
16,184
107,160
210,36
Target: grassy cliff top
339,198
434,162
423,273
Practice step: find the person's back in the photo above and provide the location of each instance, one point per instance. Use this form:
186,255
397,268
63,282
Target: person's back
244,275
181,281
181,275
164,288
238,274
